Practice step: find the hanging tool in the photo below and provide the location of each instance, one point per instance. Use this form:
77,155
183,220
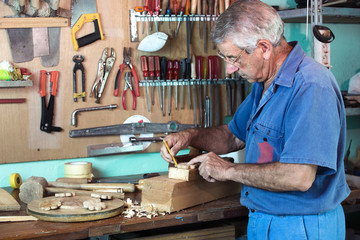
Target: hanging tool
205,75
146,8
169,77
157,74
200,18
198,69
168,12
211,12
188,60
126,61
182,9
84,11
157,12
207,112
216,67
130,128
76,111
128,85
47,112
145,70
183,66
78,59
163,73
176,67
211,66
194,90
151,77
105,65
221,6
151,11
204,24
192,12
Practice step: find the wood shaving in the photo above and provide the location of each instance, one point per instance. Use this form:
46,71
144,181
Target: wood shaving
134,209
94,204
67,194
50,205
101,196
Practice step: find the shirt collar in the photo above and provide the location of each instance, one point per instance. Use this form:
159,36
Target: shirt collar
290,66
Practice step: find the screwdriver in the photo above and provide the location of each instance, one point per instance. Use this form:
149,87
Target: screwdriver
200,18
157,74
144,68
168,13
216,63
176,67
157,12
151,77
146,8
192,12
183,66
183,3
194,90
169,77
151,11
163,72
198,68
211,77
204,24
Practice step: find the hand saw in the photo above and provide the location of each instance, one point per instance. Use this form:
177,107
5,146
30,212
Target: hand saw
84,11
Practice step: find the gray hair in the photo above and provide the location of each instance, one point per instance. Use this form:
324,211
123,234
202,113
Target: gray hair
245,22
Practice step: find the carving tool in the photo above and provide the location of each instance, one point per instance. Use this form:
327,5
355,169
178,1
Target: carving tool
163,72
194,89
169,74
176,67
204,24
151,77
198,69
182,9
157,74
167,147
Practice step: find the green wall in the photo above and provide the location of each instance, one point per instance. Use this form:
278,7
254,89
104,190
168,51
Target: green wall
345,52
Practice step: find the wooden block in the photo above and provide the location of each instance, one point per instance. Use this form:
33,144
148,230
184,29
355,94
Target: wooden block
7,202
165,194
183,174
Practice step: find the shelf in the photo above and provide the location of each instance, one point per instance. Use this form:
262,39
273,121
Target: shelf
352,111
14,84
330,15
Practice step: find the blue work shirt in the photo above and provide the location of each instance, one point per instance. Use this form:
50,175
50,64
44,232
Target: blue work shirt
299,119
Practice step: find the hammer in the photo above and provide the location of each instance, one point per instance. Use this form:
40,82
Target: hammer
37,187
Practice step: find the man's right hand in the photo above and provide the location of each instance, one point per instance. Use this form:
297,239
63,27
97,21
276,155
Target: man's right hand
176,142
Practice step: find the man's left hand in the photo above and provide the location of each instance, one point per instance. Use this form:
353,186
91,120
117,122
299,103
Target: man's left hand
212,167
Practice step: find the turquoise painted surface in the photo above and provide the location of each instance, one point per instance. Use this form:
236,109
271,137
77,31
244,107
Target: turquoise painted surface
345,52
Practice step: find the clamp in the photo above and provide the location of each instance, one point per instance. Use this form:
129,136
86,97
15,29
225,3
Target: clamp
128,77
105,65
126,61
78,59
47,112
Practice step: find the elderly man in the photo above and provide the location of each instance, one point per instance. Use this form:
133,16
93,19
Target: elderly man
292,124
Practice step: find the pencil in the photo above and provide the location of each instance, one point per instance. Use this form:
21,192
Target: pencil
167,147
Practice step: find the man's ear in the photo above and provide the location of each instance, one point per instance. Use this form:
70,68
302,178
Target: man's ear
266,48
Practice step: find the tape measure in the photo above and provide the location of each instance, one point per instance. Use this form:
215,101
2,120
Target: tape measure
15,180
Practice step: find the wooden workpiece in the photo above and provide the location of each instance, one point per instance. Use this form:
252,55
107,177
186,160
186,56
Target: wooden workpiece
184,172
170,195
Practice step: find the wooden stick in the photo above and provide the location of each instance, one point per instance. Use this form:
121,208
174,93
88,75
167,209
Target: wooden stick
127,187
17,218
34,22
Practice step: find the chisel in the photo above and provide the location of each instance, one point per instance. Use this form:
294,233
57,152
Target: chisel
198,67
183,66
146,8
192,12
204,24
200,18
216,63
211,77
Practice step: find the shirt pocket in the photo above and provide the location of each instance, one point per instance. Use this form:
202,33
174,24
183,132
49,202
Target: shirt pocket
268,142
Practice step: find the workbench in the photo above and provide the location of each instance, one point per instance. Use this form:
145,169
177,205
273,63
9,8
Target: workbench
225,208
222,209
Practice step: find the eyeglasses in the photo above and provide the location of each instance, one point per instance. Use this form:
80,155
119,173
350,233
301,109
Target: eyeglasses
230,59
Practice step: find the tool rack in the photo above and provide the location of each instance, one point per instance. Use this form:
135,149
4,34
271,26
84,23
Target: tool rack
139,17
186,82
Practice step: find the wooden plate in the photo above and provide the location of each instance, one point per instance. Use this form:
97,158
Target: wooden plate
113,208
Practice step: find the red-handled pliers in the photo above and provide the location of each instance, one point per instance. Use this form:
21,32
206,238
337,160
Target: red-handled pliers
128,77
126,61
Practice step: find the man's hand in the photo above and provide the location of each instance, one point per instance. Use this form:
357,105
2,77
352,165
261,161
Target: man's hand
176,142
212,167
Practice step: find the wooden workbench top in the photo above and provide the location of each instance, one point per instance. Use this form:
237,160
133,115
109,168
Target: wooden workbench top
225,208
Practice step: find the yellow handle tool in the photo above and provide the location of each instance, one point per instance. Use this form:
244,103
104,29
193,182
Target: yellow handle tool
90,38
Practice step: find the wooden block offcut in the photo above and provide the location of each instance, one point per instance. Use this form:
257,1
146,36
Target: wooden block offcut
170,195
7,202
184,174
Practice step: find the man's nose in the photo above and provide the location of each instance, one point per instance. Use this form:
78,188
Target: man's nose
231,68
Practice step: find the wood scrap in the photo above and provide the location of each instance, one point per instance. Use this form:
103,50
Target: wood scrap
94,204
50,204
7,202
184,172
32,189
17,218
133,209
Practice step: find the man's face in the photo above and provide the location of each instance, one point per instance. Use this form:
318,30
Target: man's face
249,66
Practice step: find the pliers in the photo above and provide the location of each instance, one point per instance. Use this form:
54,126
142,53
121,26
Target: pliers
78,59
105,65
47,112
128,78
126,61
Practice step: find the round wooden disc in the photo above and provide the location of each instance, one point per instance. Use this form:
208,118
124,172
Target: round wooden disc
113,207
